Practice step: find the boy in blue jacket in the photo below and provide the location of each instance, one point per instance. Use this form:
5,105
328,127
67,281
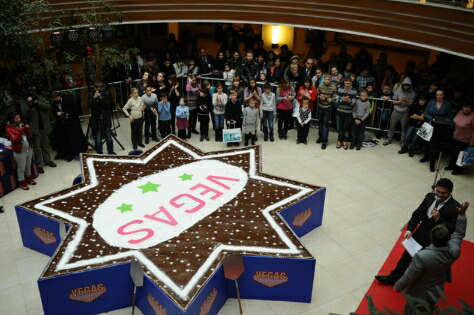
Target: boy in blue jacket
164,115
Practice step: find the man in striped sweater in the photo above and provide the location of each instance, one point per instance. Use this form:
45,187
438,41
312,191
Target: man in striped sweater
345,99
326,95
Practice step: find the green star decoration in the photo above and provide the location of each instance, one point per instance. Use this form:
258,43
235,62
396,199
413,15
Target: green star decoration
186,177
149,187
124,208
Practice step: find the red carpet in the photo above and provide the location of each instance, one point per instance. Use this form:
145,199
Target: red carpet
461,288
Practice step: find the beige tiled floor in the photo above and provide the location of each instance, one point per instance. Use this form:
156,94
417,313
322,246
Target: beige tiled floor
370,195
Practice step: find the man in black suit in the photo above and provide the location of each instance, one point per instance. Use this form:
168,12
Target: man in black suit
205,63
307,71
438,208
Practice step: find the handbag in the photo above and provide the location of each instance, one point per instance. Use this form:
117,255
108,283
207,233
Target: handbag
425,132
468,157
232,135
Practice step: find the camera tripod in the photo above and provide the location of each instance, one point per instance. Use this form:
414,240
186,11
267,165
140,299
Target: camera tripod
90,136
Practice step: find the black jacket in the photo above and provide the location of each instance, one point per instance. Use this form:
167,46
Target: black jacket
101,109
68,133
205,66
277,74
233,111
248,70
205,101
448,213
303,74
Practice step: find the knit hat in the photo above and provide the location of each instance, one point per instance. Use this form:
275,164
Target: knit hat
294,57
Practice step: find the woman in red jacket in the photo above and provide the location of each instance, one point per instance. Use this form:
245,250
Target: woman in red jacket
20,136
307,91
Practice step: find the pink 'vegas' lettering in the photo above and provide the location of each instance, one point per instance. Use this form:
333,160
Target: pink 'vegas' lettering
213,179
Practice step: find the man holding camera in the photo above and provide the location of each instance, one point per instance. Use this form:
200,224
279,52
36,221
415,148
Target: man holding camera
101,117
35,109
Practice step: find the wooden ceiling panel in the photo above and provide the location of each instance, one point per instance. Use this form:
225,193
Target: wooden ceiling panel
432,27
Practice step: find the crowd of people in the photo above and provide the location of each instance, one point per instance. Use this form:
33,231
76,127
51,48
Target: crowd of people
352,92
171,92
30,130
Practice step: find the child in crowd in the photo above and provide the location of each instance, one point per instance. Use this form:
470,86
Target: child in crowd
20,136
164,108
345,98
431,94
304,117
206,85
360,114
219,99
327,94
136,106
250,122
336,77
318,78
228,76
364,78
417,118
193,89
233,113
268,111
371,94
204,108
383,110
175,93
253,92
353,77
307,91
151,109
284,96
237,87
182,114
262,78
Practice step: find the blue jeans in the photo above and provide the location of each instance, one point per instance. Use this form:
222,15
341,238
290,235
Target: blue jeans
343,124
381,119
323,117
219,120
268,122
358,133
108,140
411,138
150,121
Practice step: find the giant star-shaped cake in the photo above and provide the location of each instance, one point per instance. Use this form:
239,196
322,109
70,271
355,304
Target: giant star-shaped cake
177,210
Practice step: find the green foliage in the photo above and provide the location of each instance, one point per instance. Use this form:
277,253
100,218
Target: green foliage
417,306
22,33
17,44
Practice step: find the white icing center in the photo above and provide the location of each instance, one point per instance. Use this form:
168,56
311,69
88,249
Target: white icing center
142,214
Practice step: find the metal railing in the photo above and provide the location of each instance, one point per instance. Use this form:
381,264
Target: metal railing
374,123
120,91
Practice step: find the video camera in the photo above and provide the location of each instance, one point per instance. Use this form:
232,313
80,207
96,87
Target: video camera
31,92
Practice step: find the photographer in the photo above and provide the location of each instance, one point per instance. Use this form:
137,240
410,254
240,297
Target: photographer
35,109
69,137
101,117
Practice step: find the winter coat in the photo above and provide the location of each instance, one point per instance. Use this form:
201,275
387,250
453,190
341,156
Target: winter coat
30,113
15,134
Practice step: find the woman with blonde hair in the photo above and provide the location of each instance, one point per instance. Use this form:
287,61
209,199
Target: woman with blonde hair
136,106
